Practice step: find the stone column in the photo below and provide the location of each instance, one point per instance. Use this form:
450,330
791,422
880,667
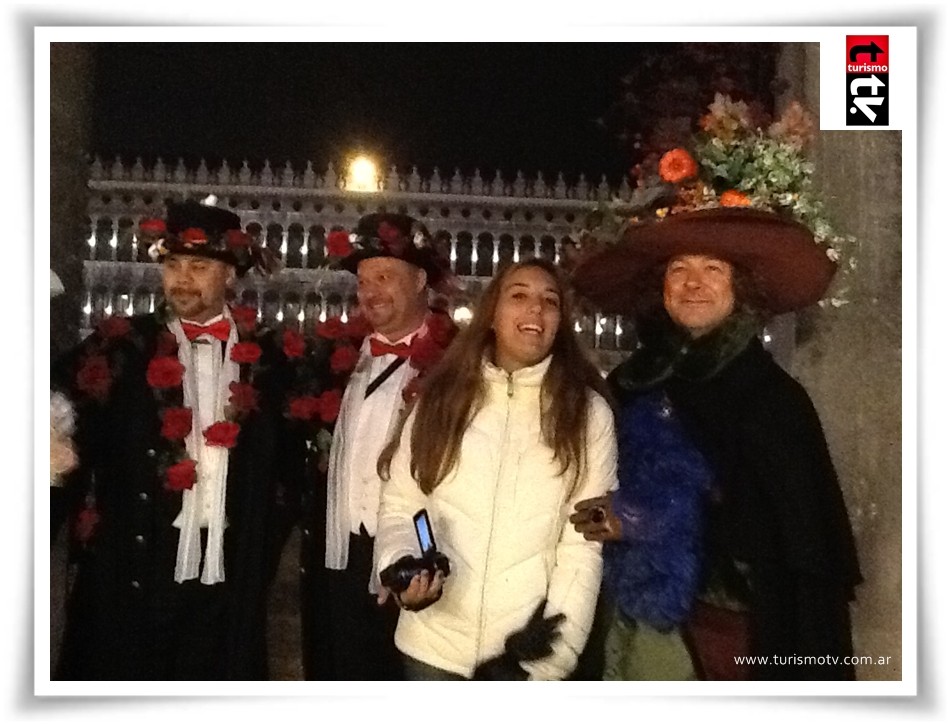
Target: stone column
70,104
70,117
849,359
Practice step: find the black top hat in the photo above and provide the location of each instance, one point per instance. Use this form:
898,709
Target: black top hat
202,230
399,236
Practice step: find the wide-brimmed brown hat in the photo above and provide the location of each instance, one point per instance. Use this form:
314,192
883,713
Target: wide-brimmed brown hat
790,270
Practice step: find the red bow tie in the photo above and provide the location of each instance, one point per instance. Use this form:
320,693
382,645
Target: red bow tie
377,347
220,329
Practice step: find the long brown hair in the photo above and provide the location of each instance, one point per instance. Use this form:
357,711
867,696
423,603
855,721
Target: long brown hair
454,391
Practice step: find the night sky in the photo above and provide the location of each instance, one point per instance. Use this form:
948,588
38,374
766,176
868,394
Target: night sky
507,106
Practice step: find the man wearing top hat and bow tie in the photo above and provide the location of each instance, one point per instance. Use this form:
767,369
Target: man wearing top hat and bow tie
184,448
396,265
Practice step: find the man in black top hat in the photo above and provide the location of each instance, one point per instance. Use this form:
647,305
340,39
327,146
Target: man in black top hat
347,636
184,448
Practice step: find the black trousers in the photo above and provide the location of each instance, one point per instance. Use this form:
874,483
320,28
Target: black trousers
171,632
359,633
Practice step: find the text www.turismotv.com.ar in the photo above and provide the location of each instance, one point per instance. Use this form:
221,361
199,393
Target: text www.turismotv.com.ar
806,660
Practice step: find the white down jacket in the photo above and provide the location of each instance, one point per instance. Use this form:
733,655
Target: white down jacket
501,517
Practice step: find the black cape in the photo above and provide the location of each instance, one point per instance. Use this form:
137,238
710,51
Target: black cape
778,509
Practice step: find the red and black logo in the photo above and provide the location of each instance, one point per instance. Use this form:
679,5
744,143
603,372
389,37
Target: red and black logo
867,67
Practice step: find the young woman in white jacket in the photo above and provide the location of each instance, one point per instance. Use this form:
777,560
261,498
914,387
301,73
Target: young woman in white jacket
511,430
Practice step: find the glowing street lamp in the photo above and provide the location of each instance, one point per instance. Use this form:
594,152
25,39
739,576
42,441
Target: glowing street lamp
363,175
462,315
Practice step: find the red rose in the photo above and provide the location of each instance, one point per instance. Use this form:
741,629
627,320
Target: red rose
677,165
441,328
338,244
244,316
294,344
181,476
85,525
243,397
303,408
167,344
193,235
412,390
388,233
176,423
424,352
237,238
94,377
246,352
164,372
152,226
112,327
357,327
329,405
344,358
223,433
332,329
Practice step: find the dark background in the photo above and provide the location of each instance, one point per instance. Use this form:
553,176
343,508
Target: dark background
509,106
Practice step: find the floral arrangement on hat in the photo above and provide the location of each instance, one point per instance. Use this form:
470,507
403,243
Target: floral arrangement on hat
213,232
740,157
390,234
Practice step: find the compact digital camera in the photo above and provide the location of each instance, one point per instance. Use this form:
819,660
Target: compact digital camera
398,575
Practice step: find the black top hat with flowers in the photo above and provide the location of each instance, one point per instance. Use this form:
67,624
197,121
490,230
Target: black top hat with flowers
747,200
202,230
399,236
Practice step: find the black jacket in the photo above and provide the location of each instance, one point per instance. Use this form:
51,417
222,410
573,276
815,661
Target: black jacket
125,563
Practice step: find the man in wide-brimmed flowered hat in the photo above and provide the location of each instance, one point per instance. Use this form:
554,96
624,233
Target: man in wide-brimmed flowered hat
728,535
184,446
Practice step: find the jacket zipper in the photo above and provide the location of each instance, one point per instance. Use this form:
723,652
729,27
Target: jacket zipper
491,523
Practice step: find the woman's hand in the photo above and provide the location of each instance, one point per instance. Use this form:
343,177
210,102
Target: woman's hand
420,593
595,519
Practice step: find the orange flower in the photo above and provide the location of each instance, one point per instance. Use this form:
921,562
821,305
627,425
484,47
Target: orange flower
677,165
734,198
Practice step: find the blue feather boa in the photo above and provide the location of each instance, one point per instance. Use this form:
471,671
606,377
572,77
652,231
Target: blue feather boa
654,572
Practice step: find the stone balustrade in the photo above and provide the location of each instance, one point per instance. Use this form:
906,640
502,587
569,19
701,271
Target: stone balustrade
482,224
288,177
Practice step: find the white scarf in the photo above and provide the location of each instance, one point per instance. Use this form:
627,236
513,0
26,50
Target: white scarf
212,469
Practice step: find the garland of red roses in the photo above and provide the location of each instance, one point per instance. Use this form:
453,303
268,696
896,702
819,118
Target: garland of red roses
347,337
164,376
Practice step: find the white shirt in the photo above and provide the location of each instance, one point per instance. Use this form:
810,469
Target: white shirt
371,431
362,431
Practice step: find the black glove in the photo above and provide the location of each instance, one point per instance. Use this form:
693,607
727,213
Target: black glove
533,641
502,667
